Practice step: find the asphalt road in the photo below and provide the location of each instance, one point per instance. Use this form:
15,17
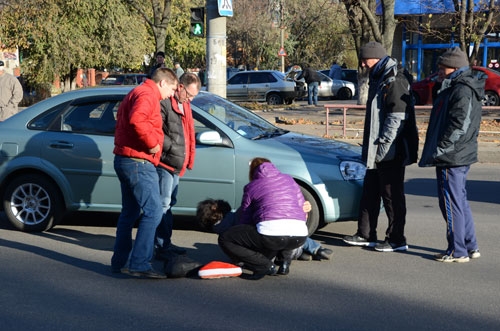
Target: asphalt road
60,280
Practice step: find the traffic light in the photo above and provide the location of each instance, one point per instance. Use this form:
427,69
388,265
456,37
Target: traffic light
197,22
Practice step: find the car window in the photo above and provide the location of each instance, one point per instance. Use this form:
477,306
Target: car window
238,79
262,77
237,118
90,117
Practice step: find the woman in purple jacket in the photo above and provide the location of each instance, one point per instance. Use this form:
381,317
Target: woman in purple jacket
272,221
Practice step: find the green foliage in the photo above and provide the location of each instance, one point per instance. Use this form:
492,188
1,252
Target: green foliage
315,32
56,37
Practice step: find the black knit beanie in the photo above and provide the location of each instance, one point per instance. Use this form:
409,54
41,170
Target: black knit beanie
372,50
453,58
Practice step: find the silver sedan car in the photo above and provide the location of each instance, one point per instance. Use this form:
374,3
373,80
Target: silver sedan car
57,156
330,88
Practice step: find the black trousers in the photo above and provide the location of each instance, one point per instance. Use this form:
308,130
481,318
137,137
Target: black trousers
242,243
384,185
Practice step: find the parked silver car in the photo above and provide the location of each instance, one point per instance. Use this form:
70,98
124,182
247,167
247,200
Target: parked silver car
57,156
124,79
324,89
341,89
269,86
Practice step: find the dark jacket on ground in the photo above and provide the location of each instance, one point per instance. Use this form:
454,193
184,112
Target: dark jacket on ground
454,123
179,144
390,133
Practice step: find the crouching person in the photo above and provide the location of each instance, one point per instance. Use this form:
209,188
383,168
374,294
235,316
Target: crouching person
271,222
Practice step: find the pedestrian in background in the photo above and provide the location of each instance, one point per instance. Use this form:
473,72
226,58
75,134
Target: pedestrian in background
178,69
11,93
313,80
138,147
160,63
179,148
335,71
451,147
390,143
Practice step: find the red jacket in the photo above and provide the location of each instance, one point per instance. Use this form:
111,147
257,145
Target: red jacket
139,123
179,146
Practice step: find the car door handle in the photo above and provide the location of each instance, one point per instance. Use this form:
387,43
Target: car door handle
61,145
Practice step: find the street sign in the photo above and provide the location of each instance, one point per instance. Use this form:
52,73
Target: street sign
225,7
282,52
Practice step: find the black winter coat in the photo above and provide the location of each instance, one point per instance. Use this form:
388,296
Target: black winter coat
454,123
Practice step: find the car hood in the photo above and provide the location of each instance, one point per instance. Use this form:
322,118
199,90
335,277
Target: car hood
320,147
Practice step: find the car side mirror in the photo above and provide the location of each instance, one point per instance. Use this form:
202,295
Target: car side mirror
209,138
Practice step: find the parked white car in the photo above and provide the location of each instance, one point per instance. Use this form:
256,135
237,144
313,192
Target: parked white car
329,88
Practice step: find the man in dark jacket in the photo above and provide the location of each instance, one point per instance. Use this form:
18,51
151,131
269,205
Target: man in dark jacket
451,147
313,80
390,143
179,148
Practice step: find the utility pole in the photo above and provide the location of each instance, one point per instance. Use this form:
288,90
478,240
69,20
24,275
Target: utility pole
282,34
277,11
216,49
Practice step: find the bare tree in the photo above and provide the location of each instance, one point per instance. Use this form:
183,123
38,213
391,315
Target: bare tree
158,22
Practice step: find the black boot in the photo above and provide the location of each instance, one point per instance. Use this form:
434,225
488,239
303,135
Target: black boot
284,268
269,272
323,254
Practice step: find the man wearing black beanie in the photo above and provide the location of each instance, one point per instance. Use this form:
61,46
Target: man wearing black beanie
390,143
451,147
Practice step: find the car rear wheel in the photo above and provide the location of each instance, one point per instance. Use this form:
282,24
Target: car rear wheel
491,99
274,99
313,217
345,93
32,203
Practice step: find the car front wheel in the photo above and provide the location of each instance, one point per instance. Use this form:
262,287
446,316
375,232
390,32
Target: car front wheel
32,203
491,99
274,99
313,217
345,94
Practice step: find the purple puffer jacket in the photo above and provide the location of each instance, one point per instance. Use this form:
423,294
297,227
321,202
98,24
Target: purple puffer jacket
271,195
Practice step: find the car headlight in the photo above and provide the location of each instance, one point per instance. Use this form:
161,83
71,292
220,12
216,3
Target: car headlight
352,170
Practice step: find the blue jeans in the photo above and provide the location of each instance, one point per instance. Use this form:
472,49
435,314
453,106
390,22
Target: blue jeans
312,93
311,246
169,184
140,193
452,195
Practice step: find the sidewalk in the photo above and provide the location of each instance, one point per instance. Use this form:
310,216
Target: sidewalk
312,121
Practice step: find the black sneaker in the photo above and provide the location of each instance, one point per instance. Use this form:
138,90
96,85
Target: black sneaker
357,240
272,271
474,254
387,246
305,257
323,254
147,274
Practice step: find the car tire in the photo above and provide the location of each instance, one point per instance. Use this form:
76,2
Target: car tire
32,203
491,99
274,99
344,93
313,217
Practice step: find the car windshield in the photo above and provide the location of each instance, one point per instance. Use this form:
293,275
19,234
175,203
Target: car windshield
239,119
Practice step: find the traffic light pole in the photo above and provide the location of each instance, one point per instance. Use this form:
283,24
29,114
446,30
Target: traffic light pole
216,50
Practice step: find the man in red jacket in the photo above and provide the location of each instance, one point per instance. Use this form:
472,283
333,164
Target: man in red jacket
138,146
179,147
